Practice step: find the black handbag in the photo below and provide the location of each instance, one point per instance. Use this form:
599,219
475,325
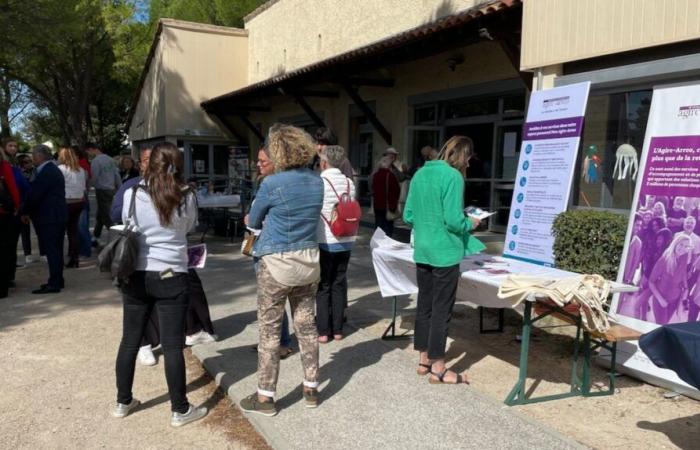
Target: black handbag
120,255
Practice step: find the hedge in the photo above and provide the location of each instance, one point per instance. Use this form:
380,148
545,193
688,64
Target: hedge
589,242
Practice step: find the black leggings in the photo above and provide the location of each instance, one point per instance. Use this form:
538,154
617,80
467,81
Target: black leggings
145,291
437,290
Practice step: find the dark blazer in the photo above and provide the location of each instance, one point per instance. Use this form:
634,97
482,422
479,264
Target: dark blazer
46,202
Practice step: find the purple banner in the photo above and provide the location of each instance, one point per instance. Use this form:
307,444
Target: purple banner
553,129
663,256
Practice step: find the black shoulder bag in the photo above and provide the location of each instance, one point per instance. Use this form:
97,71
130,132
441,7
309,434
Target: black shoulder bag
120,255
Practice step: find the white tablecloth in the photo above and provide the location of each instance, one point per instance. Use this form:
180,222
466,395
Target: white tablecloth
218,201
396,273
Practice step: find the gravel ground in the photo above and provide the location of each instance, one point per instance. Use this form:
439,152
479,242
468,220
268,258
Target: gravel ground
57,356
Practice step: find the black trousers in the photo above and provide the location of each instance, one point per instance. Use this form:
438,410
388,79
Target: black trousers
104,205
8,252
198,317
51,243
74,210
332,294
381,222
26,233
144,292
437,290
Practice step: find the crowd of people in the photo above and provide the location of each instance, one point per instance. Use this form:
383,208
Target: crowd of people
305,217
664,261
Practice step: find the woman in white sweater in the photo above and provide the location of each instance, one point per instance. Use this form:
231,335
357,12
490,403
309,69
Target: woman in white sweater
76,183
332,295
164,211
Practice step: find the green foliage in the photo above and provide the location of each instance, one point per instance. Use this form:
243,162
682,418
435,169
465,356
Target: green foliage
229,13
589,241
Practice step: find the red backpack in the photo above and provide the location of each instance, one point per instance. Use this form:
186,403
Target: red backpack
346,214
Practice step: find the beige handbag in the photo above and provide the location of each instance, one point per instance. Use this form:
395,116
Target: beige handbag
248,242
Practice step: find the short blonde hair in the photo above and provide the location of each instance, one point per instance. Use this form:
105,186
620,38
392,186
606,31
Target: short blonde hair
289,147
457,152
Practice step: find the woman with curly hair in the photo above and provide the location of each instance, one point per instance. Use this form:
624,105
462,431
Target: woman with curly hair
289,203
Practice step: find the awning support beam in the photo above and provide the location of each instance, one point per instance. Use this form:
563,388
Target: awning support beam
374,82
367,111
222,120
252,127
308,110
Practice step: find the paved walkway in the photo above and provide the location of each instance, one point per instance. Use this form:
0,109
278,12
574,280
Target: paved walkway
57,356
371,395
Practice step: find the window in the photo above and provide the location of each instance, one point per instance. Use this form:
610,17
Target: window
425,115
469,108
611,121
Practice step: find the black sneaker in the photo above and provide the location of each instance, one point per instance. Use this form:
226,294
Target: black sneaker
311,398
253,405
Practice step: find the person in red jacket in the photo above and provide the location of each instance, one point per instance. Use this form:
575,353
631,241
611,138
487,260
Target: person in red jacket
386,191
9,203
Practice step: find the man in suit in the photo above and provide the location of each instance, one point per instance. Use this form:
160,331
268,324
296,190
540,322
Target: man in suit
46,206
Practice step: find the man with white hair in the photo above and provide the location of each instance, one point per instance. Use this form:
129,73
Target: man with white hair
46,205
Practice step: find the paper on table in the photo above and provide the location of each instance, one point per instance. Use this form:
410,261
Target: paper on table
477,213
197,256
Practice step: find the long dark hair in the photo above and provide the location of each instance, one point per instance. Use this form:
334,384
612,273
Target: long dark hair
164,180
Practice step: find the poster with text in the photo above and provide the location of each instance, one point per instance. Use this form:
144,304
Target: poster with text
551,136
662,249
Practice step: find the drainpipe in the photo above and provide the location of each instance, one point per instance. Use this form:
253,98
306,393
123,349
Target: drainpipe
539,76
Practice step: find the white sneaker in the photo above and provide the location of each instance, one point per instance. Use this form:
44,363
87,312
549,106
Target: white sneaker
146,357
201,337
44,259
30,259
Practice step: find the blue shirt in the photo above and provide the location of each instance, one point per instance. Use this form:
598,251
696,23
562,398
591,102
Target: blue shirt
290,204
118,202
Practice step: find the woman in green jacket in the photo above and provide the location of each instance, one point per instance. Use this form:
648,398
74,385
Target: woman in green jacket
435,209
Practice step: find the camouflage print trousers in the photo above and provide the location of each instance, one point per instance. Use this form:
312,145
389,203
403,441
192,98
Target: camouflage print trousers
272,297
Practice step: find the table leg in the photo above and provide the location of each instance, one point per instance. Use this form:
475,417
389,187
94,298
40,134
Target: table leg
392,325
517,394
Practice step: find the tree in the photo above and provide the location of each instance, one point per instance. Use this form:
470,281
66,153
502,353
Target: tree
14,101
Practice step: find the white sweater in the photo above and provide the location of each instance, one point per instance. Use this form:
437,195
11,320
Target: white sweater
161,247
75,182
340,182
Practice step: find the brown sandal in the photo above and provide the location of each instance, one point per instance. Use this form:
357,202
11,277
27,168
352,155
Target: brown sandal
424,366
441,378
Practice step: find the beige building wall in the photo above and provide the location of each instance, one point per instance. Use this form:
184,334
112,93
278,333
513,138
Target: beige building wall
558,31
192,63
149,117
285,35
484,62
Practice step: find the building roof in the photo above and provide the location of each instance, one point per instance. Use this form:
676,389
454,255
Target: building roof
183,25
383,46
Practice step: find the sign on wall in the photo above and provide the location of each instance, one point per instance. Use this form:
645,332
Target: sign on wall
662,249
551,136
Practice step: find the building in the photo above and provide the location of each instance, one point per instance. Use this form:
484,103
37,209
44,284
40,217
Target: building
624,48
187,64
390,73
408,74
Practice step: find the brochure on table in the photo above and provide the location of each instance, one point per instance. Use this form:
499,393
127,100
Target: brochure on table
551,136
662,261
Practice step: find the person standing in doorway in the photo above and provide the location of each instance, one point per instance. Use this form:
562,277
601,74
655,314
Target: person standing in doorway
435,209
106,180
46,205
385,195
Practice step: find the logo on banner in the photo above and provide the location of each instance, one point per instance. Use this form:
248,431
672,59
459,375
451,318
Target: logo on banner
686,112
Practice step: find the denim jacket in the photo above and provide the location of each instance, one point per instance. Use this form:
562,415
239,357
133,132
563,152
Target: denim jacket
290,204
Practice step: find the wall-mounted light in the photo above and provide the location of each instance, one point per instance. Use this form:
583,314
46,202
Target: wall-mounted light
454,61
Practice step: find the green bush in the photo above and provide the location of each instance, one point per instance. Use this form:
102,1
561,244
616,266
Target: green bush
589,241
